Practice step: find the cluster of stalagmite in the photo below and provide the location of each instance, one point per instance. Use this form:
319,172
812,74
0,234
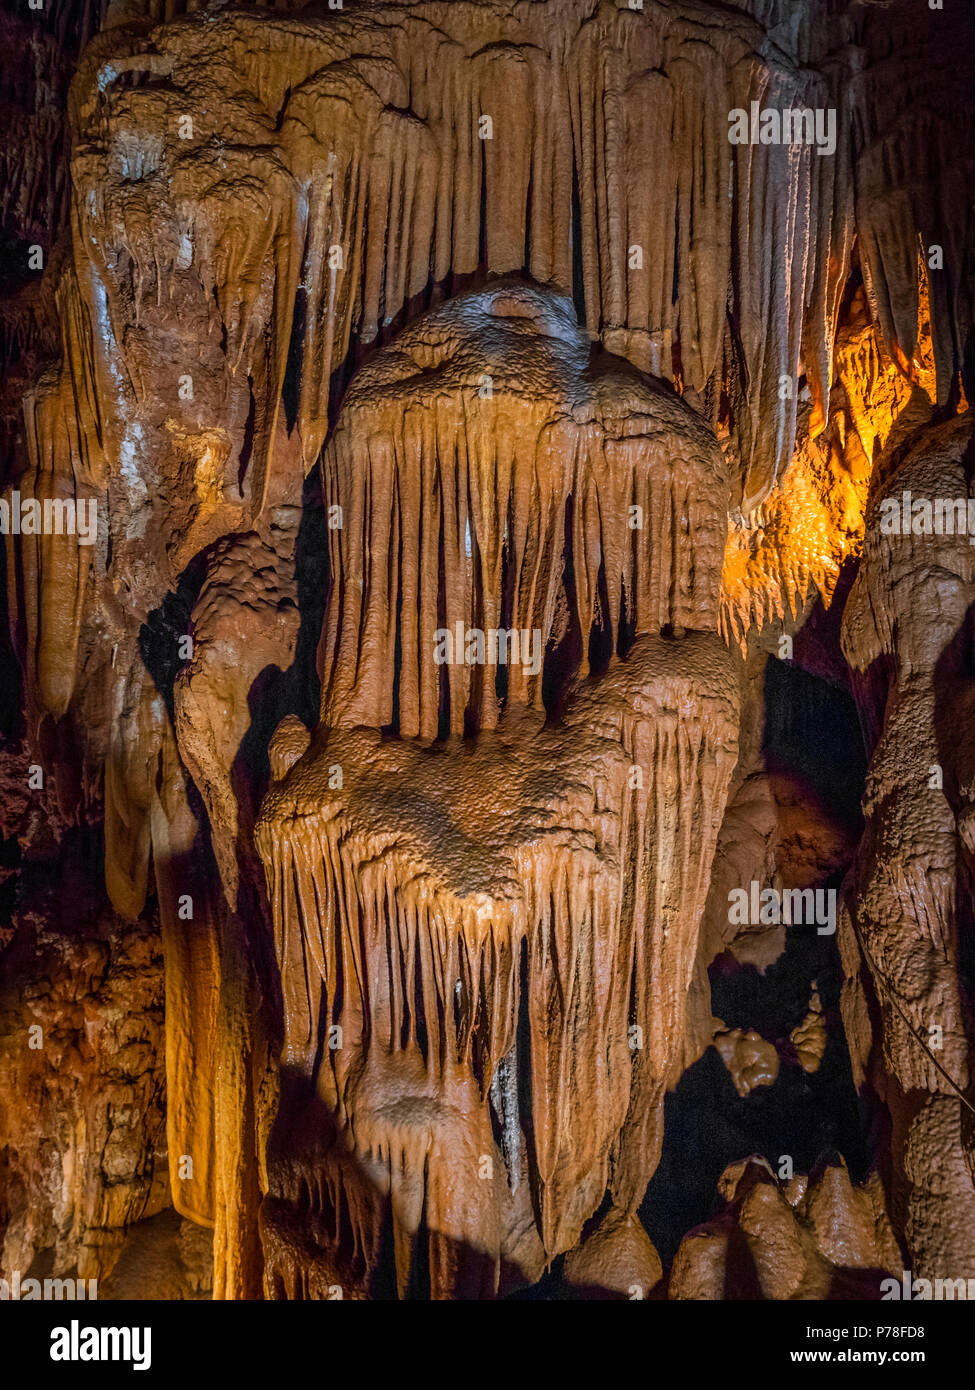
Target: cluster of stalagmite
814,1236
484,458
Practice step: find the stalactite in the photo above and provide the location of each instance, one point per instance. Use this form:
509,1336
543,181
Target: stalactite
373,876
500,487
356,143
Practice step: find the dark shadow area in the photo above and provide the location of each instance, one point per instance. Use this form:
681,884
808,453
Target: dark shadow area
812,731
804,1115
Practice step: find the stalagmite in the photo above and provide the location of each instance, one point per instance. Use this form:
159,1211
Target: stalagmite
816,1236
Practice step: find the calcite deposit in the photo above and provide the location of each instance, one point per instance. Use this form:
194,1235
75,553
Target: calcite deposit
487,730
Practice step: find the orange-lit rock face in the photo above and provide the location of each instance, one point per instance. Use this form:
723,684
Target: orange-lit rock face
516,536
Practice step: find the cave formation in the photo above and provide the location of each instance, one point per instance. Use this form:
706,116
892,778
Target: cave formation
488,703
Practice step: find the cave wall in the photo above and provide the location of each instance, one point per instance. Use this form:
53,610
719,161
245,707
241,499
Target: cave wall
365,332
